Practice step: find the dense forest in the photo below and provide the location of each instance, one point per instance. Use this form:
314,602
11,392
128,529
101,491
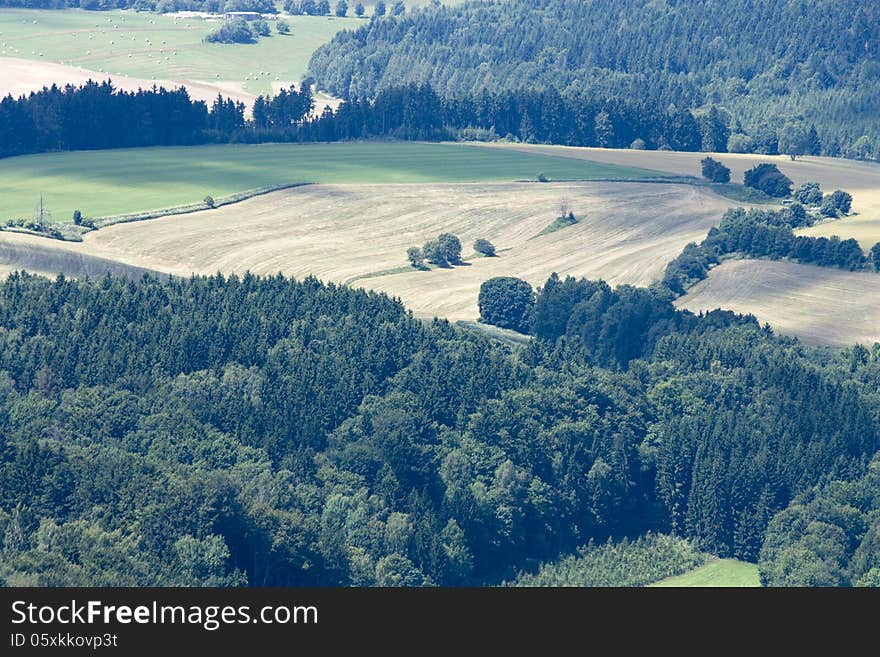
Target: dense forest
273,432
768,67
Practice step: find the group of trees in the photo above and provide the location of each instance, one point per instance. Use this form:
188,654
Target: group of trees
764,234
442,251
238,31
795,77
830,205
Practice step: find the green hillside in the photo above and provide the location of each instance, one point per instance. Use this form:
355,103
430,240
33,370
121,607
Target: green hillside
129,180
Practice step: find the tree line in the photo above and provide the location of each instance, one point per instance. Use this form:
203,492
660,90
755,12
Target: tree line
764,234
97,115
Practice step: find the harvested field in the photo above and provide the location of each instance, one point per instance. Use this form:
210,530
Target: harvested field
861,179
38,255
626,234
820,305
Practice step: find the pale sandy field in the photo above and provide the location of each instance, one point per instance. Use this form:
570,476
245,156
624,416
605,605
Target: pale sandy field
627,233
817,304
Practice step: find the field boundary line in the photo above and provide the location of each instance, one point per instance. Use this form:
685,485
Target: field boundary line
189,208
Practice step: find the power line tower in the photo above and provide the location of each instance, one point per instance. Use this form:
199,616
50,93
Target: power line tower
42,215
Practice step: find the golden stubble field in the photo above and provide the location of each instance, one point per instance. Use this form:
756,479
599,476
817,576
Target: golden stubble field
347,233
861,179
820,305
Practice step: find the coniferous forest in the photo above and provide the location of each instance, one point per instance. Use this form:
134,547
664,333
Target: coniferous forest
223,431
773,69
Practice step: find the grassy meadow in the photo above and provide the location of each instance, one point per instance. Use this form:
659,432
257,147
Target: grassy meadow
147,45
101,183
718,573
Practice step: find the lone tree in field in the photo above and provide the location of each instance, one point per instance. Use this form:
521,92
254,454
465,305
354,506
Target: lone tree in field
434,253
77,218
341,8
507,302
485,247
451,246
809,193
715,171
768,179
282,26
359,10
209,201
416,257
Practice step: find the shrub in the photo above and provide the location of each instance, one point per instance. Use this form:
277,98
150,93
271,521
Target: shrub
809,193
282,26
875,256
209,201
715,171
485,247
638,144
507,302
359,10
769,179
341,8
261,28
416,257
543,178
77,218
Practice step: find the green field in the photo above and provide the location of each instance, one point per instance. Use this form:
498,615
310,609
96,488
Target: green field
718,573
101,183
146,45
